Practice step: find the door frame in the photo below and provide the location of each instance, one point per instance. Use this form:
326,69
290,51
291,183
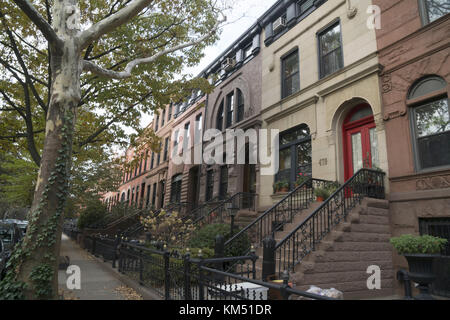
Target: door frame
349,128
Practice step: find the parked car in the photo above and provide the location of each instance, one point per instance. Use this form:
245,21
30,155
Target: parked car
11,234
3,259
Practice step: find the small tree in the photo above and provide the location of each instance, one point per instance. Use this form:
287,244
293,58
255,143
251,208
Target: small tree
168,227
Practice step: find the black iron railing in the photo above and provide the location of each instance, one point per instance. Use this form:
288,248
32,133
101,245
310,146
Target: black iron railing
176,277
279,215
302,240
222,212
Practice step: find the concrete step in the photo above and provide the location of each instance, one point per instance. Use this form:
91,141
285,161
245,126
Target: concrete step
371,219
357,246
318,279
351,256
371,228
352,287
364,237
322,267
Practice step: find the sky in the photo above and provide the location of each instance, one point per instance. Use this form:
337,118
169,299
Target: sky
242,16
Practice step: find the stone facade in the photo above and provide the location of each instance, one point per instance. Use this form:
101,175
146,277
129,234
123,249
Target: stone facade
410,49
323,103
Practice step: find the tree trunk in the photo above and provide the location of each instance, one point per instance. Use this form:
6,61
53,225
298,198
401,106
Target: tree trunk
37,262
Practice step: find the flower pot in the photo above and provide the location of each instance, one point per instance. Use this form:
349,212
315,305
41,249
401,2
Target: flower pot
421,272
320,199
284,190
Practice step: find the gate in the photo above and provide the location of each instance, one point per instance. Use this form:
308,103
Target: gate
439,227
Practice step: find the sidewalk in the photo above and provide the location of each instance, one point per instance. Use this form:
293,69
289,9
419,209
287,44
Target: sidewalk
97,283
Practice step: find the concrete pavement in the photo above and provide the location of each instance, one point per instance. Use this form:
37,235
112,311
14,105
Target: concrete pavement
97,283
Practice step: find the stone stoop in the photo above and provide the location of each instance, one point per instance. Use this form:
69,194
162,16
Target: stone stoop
342,258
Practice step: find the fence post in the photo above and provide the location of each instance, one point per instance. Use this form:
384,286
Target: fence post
187,276
119,248
116,247
166,274
201,288
268,258
141,268
254,258
219,252
285,278
94,238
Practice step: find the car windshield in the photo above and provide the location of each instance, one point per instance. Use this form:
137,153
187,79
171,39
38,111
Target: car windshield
6,234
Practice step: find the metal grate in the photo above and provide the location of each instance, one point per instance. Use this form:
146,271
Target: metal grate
439,227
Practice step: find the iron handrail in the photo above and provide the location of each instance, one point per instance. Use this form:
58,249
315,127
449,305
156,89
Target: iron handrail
223,203
309,182
309,227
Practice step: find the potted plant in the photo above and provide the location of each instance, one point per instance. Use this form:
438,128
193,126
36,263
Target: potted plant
302,177
321,194
277,187
420,251
284,186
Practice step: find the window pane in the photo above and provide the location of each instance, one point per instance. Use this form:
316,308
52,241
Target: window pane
432,118
434,151
301,133
304,159
331,40
374,148
437,9
330,50
285,159
357,152
291,78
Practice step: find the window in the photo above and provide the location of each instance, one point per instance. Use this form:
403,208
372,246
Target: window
430,122
175,194
169,116
432,10
223,190
198,128
175,143
163,118
166,148
154,195
295,154
146,160
152,164
240,106
140,164
157,123
159,154
248,51
230,109
187,136
304,5
291,74
148,195
219,119
330,50
209,184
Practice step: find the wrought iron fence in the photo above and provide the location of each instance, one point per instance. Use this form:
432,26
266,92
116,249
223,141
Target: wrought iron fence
302,240
176,277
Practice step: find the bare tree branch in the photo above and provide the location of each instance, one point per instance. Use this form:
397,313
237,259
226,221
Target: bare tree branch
112,22
40,22
92,67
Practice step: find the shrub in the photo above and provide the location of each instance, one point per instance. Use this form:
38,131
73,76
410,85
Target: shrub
322,193
206,238
93,213
409,244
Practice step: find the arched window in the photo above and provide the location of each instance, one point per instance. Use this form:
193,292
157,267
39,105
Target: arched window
430,122
240,106
295,154
219,118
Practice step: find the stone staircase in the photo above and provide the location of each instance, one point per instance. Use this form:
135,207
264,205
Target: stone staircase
342,258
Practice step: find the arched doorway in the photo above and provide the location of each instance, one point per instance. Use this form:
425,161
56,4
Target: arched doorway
360,140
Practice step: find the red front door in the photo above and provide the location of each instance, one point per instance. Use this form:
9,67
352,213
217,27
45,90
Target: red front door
360,140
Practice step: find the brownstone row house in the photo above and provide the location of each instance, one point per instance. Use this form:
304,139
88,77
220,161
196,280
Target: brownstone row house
345,97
